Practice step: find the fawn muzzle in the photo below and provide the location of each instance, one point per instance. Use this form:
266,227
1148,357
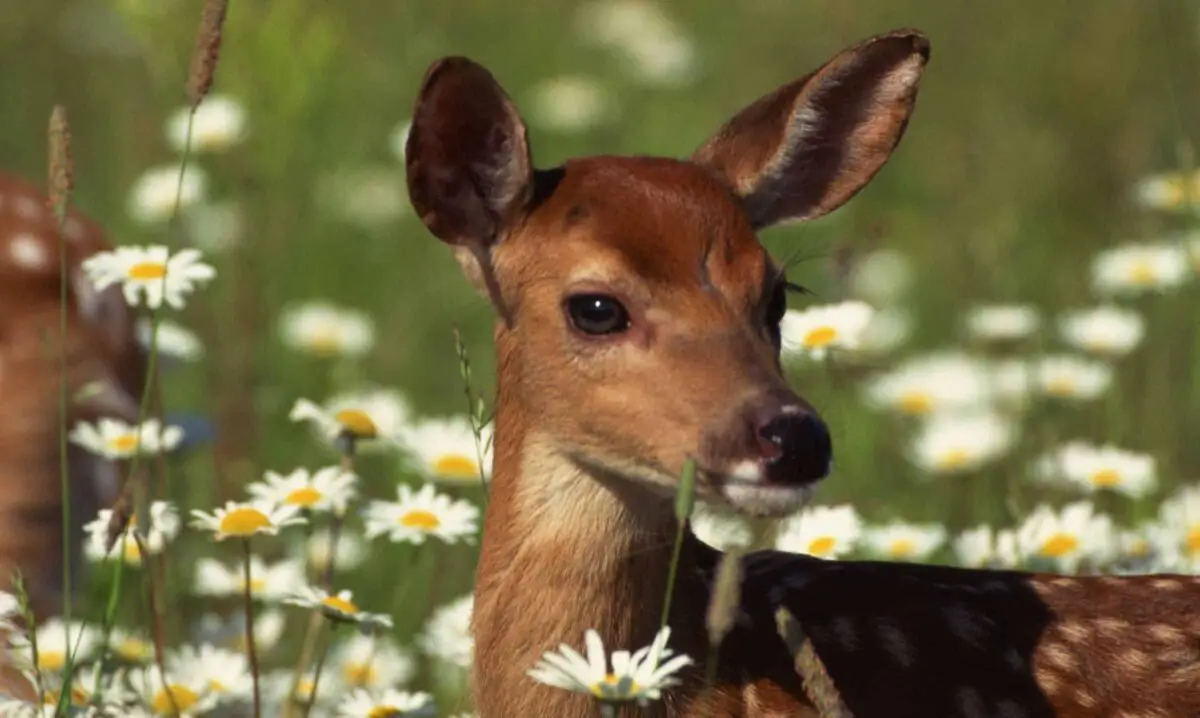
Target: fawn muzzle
795,445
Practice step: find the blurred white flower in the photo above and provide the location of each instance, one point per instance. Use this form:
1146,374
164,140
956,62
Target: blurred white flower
1073,377
1003,322
817,330
367,197
1167,191
130,646
570,103
666,61
639,677
613,22
901,541
950,443
10,611
1137,544
329,489
398,139
215,226
230,631
447,635
888,329
821,531
162,527
389,702
182,694
935,382
1013,383
1106,330
1096,468
219,124
315,550
980,547
1179,519
173,339
376,418
268,582
54,640
1067,537
151,271
114,439
722,530
372,662
243,520
1139,268
224,672
882,277
338,607
415,516
327,330
152,199
444,450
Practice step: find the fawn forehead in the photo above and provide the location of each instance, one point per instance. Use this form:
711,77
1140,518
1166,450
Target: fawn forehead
669,222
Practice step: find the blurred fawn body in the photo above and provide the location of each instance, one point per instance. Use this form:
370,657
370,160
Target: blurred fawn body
639,326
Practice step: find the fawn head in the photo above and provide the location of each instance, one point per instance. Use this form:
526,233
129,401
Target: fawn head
639,314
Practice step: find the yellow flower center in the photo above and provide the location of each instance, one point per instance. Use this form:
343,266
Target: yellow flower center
304,689
216,686
52,661
243,521
148,270
1059,545
384,711
456,466
359,674
79,697
340,604
820,338
609,681
1193,539
357,422
1060,386
130,550
1142,272
326,341
1106,478
902,548
953,459
916,403
132,649
822,546
257,584
124,442
305,497
419,519
1138,548
184,699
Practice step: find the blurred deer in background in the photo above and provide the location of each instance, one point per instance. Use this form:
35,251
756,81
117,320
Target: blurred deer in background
639,326
102,355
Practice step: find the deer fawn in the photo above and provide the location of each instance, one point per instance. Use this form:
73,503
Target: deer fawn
102,354
639,326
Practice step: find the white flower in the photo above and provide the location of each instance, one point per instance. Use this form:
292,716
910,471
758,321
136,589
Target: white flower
173,339
150,270
114,439
315,550
1138,268
152,199
639,677
821,531
447,635
224,673
372,662
400,704
1013,382
888,329
1138,544
162,527
230,632
445,450
269,582
1179,532
215,226
935,382
904,541
1167,191
398,139
10,610
329,489
668,60
720,529
1106,330
338,606
129,646
570,103
882,277
1072,377
613,22
175,694
955,442
1003,322
220,123
1066,538
327,330
243,520
816,330
980,547
374,417
366,197
414,516
1096,468
54,639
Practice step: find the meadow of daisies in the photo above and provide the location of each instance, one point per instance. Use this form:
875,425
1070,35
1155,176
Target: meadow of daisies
1002,331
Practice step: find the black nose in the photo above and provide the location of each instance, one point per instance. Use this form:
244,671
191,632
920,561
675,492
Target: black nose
796,447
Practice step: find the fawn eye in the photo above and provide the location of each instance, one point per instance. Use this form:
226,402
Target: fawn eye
597,314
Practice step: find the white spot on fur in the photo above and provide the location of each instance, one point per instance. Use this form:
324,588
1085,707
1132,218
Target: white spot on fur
746,470
845,632
27,207
767,500
1074,631
1166,633
1166,584
1112,627
970,703
964,624
1135,660
74,229
1059,656
895,643
790,410
1085,699
28,252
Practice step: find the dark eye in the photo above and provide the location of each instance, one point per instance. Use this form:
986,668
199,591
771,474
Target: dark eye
597,314
776,308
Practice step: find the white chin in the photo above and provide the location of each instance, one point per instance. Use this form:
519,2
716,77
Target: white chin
767,500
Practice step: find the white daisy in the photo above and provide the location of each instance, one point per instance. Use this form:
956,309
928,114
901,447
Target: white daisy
1138,544
980,547
268,582
815,331
445,450
668,60
1097,468
366,197
54,640
225,673
175,694
882,277
230,631
1003,322
243,520
1013,383
934,382
1168,191
1139,268
414,516
173,339
152,199
329,489
390,702
374,417
821,531
570,103
901,541
114,439
612,22
888,329
639,677
1179,522
1068,537
162,527
132,647
338,606
219,124
372,662
447,635
1106,330
152,271
351,551
722,530
1072,378
10,611
953,443
324,329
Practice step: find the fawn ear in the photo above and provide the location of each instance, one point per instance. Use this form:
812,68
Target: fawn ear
468,163
809,146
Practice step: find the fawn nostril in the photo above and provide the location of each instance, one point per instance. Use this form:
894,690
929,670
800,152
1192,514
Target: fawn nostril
796,447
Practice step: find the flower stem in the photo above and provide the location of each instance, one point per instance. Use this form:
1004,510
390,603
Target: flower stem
251,651
321,658
684,502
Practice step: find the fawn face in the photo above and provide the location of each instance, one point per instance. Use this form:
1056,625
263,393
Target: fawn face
640,312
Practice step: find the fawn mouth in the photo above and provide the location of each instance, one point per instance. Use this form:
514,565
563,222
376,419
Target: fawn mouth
748,490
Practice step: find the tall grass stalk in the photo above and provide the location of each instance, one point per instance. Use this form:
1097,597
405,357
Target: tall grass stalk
475,411
22,594
322,657
685,501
